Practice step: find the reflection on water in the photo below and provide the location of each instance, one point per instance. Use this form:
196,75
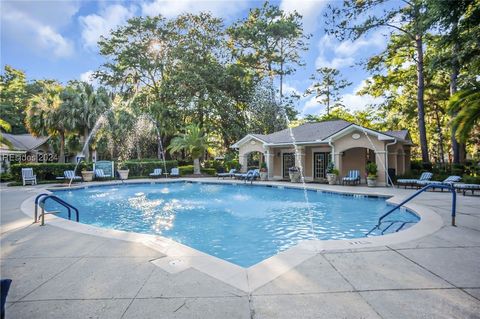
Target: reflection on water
242,224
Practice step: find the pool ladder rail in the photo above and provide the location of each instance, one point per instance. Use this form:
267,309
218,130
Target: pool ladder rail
403,223
40,201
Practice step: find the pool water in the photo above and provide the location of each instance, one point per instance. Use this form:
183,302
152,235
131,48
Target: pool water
242,224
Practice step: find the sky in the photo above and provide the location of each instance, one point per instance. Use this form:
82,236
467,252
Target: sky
57,39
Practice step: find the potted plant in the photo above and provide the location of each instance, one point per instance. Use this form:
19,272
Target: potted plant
294,174
122,171
87,175
263,172
371,174
332,174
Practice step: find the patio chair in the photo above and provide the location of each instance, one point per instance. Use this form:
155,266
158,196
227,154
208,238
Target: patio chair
253,176
353,177
243,175
466,187
100,174
28,176
450,180
157,172
70,175
426,176
231,173
175,172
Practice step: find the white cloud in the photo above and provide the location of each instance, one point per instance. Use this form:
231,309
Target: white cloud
288,88
356,102
342,54
26,28
172,8
88,77
309,9
96,25
311,106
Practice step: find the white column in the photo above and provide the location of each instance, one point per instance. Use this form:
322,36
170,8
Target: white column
381,159
269,160
243,159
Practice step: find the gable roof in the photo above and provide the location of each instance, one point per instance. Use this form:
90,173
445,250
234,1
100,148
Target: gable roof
401,134
316,132
307,132
25,142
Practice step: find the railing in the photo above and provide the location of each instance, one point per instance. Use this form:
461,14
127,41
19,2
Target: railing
40,201
423,189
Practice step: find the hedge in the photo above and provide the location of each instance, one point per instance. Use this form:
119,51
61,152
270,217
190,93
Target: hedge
188,170
44,171
144,168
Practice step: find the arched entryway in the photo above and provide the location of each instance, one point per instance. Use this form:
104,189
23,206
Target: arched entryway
357,158
255,160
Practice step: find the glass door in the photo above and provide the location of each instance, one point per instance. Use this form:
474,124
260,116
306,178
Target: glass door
288,161
320,163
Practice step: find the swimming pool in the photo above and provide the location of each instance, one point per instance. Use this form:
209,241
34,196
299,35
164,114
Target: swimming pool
242,224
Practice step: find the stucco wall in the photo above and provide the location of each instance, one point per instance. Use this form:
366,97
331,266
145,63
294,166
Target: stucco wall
354,154
246,148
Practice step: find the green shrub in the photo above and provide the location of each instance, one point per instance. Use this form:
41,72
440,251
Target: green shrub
232,164
6,177
209,171
216,164
471,179
144,168
44,171
188,170
372,170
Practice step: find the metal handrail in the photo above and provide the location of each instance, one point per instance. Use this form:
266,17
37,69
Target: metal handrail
40,201
423,189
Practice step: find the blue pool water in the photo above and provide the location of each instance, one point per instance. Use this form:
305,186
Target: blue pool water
242,224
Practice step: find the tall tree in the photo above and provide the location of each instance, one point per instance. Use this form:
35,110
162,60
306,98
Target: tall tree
14,98
465,106
409,20
269,41
45,115
459,21
194,142
5,127
85,105
326,87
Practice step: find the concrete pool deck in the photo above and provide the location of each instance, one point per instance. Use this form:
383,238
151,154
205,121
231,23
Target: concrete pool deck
58,273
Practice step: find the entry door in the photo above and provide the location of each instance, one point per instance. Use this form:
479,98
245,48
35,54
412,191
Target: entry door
320,163
288,161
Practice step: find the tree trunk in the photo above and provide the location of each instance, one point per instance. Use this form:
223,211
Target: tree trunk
61,156
86,149
440,136
420,100
196,166
160,155
457,148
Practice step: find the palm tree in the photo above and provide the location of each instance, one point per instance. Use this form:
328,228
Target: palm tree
85,105
466,107
4,126
193,141
47,116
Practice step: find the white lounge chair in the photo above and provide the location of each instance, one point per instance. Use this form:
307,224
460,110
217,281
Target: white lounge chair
157,172
353,177
466,187
28,176
231,173
175,172
70,175
450,180
426,176
99,173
